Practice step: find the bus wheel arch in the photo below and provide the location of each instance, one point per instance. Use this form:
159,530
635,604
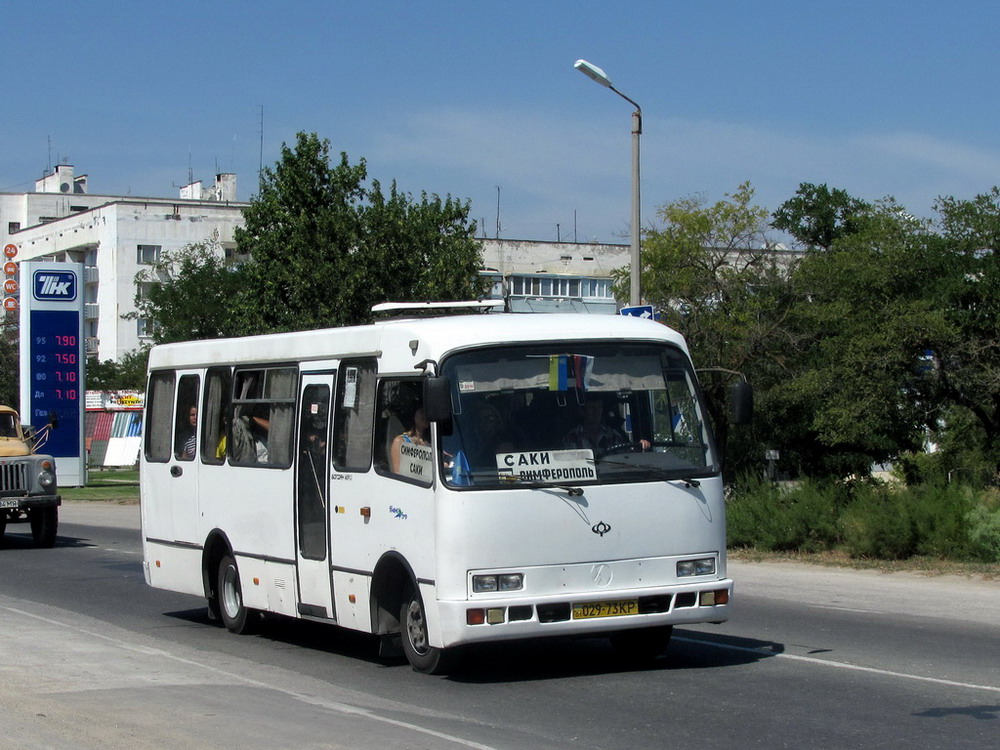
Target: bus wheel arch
216,547
392,579
398,607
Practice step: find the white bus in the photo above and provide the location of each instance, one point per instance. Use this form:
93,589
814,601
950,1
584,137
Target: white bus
441,481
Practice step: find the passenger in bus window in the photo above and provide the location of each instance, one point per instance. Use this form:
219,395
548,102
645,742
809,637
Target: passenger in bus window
250,439
418,432
220,447
259,428
187,438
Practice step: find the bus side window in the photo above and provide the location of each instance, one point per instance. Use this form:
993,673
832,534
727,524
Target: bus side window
263,419
214,415
354,415
159,416
186,418
402,433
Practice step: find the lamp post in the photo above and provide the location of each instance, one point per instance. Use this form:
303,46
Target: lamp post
596,74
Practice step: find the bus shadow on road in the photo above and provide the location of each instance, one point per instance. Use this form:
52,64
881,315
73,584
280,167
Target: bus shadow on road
315,636
516,661
557,658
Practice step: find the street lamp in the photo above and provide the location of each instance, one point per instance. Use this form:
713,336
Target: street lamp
596,74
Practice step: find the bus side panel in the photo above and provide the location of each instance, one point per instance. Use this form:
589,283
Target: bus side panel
267,585
174,568
354,615
257,521
401,521
155,512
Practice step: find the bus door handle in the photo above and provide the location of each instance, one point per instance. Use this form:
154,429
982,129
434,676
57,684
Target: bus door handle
176,471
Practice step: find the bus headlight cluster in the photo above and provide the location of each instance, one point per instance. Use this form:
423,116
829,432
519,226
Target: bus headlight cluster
703,566
484,584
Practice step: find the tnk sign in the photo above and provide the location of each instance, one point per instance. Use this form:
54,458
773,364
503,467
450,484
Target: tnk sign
55,285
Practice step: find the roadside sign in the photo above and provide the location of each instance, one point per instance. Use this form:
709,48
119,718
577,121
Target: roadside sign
10,250
639,311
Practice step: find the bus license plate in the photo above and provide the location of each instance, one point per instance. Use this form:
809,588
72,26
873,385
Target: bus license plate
587,610
9,503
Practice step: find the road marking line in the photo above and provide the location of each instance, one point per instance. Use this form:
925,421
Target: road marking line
841,665
344,708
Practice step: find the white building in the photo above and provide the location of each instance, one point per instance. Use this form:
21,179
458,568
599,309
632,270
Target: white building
114,237
554,276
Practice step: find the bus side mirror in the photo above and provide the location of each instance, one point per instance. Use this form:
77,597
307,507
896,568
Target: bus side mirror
741,402
437,399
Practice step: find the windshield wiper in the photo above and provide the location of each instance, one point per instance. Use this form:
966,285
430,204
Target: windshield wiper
669,475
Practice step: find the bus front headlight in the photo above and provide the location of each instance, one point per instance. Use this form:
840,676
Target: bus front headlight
490,582
703,566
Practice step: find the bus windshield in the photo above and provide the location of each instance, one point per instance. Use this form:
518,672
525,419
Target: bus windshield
573,414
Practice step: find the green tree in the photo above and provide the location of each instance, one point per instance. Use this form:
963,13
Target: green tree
323,247
128,374
301,233
967,363
866,314
900,319
817,216
9,361
189,294
422,251
711,273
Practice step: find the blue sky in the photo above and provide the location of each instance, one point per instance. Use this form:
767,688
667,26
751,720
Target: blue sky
878,98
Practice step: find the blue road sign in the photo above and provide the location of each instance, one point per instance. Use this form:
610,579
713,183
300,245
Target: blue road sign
639,311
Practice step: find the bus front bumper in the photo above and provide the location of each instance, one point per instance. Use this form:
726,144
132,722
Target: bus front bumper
510,618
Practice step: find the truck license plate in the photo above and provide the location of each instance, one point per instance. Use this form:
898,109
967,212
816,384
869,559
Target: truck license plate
587,610
9,502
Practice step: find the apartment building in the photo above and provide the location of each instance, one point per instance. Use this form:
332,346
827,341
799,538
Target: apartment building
114,237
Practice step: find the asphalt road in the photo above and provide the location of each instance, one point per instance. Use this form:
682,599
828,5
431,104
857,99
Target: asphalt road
91,657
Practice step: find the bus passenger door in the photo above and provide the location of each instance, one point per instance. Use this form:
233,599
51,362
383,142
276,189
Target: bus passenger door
312,482
184,463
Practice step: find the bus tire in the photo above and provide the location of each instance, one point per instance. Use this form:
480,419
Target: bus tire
235,616
636,647
413,626
44,523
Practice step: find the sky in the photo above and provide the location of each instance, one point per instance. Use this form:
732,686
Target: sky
480,100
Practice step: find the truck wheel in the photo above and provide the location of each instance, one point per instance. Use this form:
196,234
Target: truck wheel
3,526
236,617
44,522
413,624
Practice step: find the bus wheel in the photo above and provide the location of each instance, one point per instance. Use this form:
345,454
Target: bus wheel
643,645
237,618
44,522
413,623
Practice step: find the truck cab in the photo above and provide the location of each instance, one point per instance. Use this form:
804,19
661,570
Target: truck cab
28,487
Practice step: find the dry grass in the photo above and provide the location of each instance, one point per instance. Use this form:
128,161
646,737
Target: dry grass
929,566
